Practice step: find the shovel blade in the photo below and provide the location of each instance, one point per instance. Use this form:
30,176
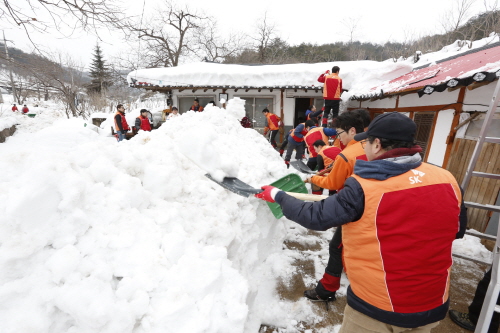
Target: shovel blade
236,186
301,166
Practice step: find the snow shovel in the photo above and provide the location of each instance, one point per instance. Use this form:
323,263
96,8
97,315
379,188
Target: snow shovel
288,184
301,166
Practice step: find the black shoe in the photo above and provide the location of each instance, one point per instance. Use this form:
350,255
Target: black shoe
313,296
462,320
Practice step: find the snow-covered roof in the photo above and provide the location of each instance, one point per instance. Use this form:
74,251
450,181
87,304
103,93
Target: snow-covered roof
295,76
479,64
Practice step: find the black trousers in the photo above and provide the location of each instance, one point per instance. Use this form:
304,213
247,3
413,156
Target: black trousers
332,108
477,303
273,138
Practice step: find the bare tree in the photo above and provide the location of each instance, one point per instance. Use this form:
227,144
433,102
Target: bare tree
265,34
456,16
169,34
216,48
352,25
60,15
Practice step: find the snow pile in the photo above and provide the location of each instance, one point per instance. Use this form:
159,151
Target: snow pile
100,236
471,246
9,121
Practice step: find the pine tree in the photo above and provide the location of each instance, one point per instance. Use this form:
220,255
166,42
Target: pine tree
99,73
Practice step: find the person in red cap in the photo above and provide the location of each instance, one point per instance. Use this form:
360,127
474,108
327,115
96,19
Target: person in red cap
399,217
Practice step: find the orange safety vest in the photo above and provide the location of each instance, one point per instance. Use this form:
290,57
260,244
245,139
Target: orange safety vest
304,132
272,121
342,168
398,254
145,125
312,136
332,88
124,122
329,154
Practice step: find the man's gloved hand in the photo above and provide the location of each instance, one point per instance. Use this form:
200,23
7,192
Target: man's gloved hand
268,194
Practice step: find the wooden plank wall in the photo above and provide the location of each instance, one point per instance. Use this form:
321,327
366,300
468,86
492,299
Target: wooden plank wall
480,190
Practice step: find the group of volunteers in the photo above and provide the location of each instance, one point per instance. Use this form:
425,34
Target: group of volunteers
25,109
143,121
396,216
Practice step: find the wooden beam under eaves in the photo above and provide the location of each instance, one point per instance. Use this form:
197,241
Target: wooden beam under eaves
235,90
271,90
194,90
476,85
180,90
259,89
205,90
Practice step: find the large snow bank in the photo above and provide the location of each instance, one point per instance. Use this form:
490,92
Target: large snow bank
100,236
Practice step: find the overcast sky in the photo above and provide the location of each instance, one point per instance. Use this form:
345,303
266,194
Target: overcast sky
296,22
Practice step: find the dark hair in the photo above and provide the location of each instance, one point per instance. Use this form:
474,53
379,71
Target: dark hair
310,123
335,69
347,120
175,108
319,143
365,115
196,100
119,106
212,102
265,110
144,110
388,144
311,107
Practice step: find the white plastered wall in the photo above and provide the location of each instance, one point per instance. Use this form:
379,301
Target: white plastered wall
441,132
288,102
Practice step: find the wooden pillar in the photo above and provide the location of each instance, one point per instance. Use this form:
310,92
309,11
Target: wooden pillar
282,114
456,119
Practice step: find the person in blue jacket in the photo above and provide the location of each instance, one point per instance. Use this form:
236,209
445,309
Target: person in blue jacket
296,141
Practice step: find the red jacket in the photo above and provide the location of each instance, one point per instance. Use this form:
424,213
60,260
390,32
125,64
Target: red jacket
14,108
332,88
25,109
145,125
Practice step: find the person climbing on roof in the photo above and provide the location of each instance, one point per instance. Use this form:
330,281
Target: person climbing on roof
296,141
389,207
272,125
142,122
332,89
